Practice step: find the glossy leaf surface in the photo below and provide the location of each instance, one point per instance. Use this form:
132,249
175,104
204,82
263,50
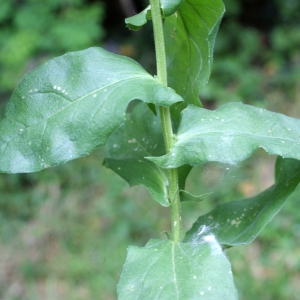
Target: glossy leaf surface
69,106
165,270
239,222
139,136
190,36
231,134
168,7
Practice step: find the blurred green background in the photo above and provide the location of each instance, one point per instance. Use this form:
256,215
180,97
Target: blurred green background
64,231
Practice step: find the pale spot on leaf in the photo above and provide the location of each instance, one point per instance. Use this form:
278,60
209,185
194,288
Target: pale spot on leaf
235,222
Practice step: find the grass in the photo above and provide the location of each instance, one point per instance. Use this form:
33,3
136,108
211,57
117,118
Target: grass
71,242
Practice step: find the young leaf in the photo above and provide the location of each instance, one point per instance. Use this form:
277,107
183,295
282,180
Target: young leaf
137,21
69,106
231,134
139,136
168,7
190,36
165,270
239,222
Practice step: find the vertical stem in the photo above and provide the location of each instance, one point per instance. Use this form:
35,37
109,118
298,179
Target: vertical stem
165,116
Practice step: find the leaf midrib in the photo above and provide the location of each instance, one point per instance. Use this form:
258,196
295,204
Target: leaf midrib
75,102
181,138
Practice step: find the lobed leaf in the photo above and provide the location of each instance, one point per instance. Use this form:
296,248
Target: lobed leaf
231,134
190,35
70,105
165,270
239,222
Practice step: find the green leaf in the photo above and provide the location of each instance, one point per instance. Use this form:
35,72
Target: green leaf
186,196
144,172
168,7
239,222
231,134
70,105
190,36
140,135
137,21
165,270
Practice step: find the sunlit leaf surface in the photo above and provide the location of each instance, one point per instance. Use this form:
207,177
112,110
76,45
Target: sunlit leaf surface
165,270
231,134
69,106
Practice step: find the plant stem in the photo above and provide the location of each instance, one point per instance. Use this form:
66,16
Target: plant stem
166,119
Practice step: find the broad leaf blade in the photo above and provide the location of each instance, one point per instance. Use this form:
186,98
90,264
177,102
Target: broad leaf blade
239,222
165,270
231,134
140,135
69,106
190,35
144,172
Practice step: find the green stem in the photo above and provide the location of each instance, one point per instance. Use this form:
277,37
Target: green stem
166,118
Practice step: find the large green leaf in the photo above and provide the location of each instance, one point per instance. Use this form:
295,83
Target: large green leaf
239,222
165,270
231,134
190,36
141,135
168,7
70,105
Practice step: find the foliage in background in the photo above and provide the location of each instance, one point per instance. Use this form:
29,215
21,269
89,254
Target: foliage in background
261,57
74,245
55,252
33,31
